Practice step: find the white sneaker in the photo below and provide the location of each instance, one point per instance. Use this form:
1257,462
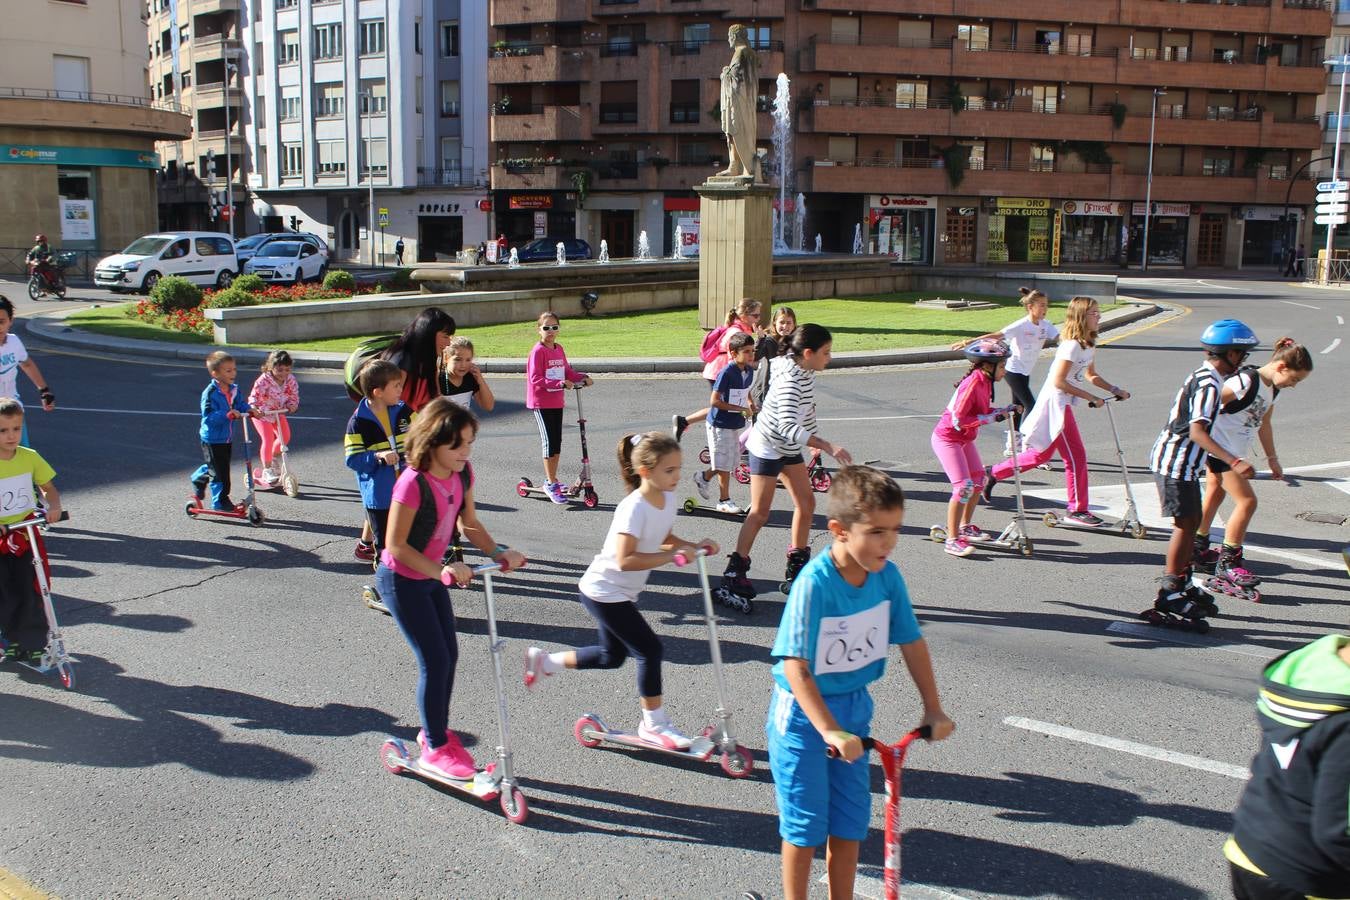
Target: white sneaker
663,735
704,486
730,506
534,665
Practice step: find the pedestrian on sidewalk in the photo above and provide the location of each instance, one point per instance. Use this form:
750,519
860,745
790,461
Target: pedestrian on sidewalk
398,252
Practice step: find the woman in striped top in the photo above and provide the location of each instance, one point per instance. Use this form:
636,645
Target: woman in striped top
784,428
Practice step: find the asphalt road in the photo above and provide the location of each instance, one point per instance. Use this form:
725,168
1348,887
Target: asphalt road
233,692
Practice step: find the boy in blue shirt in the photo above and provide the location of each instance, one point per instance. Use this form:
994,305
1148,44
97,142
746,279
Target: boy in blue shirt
373,445
845,608
222,403
729,406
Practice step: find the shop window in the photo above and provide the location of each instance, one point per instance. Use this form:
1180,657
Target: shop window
911,95
975,36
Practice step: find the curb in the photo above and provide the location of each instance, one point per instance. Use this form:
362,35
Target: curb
50,327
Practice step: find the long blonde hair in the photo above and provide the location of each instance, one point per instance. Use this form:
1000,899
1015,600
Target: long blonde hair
1075,322
744,308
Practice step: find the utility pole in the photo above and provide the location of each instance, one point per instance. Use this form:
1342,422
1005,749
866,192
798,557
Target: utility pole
230,68
1148,190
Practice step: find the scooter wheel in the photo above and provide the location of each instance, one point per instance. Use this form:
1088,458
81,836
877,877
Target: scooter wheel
291,485
1026,547
523,487
738,763
820,482
1138,531
591,499
191,509
255,515
1255,596
743,474
1050,520
67,673
514,807
394,756
704,457
937,533
690,505
1200,626
585,724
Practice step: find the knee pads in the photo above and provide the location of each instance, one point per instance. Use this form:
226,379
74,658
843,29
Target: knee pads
962,491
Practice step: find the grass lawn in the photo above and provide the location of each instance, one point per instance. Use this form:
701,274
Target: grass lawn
873,322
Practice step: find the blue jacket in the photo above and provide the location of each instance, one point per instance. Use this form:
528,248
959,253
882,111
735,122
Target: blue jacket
216,425
365,438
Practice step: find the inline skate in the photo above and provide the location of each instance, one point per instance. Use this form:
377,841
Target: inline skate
1180,604
736,591
797,558
1231,578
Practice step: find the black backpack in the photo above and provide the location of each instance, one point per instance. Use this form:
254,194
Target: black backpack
1238,404
369,349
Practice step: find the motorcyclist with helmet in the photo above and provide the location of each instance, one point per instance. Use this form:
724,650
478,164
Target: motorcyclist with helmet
41,262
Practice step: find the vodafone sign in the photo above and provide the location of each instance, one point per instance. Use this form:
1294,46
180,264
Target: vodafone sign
901,201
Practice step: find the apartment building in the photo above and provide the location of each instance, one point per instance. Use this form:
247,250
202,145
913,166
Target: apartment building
1338,46
350,95
77,126
945,131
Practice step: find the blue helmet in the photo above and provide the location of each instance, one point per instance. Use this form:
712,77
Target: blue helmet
987,350
1228,334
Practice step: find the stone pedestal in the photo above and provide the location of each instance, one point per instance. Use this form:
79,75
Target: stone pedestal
735,237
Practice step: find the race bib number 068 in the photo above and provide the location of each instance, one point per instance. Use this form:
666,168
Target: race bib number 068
847,643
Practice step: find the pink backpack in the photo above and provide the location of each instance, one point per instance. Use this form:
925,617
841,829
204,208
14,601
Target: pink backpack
712,344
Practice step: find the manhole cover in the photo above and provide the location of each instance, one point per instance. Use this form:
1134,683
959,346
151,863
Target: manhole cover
1322,518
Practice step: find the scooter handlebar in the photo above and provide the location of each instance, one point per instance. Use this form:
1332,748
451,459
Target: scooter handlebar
38,518
683,559
449,580
870,743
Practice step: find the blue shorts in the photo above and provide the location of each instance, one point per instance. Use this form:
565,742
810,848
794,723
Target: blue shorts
773,467
818,797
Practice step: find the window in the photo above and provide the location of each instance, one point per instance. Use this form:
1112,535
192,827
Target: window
287,4
330,100
208,246
1078,43
911,95
975,36
288,47
450,155
261,174
332,157
187,79
694,37
372,37
1042,158
758,36
418,94
374,97
377,157
450,39
844,29
684,101
692,153
842,149
622,40
1218,162
1047,41
257,59
292,159
417,35
290,109
260,111
913,152
71,75
182,34
450,99
328,41
976,163
1045,98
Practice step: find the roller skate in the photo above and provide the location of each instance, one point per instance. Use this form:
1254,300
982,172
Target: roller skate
1203,556
797,558
736,591
1230,579
1180,605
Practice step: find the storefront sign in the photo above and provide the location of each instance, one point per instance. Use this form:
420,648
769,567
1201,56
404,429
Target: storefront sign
1266,213
1094,208
433,209
541,224
77,156
1055,239
900,201
689,236
1164,209
530,201
77,220
1006,205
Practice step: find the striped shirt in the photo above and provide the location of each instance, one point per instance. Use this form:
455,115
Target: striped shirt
788,419
1174,454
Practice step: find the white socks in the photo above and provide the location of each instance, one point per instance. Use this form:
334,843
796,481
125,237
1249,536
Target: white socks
553,663
654,717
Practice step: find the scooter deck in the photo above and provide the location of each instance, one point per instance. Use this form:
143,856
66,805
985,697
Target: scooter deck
484,785
1124,527
700,748
697,507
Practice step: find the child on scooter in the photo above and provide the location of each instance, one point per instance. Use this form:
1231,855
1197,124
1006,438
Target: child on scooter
953,440
375,440
827,656
547,375
221,404
429,498
276,394
13,358
459,377
22,622
730,404
639,540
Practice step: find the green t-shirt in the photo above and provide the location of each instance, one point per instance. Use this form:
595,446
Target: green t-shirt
17,477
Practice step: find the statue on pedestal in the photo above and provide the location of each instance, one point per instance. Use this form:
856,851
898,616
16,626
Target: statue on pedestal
740,87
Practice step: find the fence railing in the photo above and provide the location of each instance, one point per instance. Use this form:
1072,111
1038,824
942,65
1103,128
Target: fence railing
78,264
89,97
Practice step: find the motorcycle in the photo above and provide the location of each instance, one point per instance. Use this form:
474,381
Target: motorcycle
47,277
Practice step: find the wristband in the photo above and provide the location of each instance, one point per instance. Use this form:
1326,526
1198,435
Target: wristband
500,550
1236,460
46,395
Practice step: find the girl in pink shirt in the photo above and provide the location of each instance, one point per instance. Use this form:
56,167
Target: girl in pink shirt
275,394
744,318
547,375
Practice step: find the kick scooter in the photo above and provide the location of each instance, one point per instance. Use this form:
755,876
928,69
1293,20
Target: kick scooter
591,731
892,761
496,779
287,480
815,471
246,510
54,655
581,489
1014,536
1129,523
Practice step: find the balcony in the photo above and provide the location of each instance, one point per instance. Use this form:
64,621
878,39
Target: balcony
40,108
213,7
212,95
539,64
705,59
533,124
532,12
1011,60
603,8
927,58
530,178
214,46
449,177
617,117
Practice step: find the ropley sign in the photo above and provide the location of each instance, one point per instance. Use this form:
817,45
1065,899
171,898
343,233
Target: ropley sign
433,208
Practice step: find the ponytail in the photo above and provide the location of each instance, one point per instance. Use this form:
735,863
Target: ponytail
642,451
1030,296
1292,354
746,306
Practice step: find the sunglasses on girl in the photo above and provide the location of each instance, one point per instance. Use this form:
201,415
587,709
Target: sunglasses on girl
549,327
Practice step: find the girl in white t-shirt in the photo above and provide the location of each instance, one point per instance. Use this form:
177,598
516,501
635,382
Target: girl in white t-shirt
639,540
1026,338
1246,407
1050,427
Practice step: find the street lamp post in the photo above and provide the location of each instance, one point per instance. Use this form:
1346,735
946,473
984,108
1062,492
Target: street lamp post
1344,62
366,103
1148,187
230,68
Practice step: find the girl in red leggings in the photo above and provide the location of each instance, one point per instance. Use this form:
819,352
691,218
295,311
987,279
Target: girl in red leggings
275,394
1050,428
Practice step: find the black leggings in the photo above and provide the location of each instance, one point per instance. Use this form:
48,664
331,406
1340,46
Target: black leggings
623,633
1250,886
1020,385
550,430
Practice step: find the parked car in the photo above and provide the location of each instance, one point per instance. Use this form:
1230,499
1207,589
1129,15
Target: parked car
289,262
546,250
246,248
205,258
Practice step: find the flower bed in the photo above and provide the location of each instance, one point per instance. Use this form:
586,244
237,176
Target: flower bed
194,321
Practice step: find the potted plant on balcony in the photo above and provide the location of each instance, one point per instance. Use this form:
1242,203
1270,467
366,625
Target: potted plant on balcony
996,96
955,159
581,183
956,98
658,162
1118,112
499,48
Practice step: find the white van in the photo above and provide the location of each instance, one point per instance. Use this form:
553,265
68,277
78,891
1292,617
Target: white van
205,258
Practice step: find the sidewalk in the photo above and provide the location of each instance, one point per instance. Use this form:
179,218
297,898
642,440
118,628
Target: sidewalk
49,326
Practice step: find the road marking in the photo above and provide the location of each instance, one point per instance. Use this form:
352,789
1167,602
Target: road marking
1145,750
1220,287
12,887
871,883
1320,467
1304,305
877,418
1340,320
165,412
1332,346
1159,633
1172,309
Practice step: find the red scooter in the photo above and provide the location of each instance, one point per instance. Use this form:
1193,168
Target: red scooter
45,277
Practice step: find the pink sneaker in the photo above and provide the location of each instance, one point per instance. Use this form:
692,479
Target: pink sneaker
958,547
452,750
972,532
534,666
